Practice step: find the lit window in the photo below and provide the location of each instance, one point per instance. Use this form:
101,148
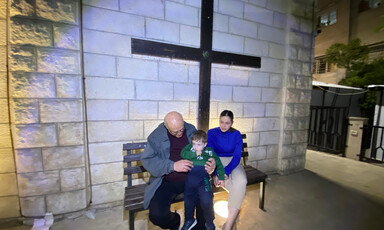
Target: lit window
328,18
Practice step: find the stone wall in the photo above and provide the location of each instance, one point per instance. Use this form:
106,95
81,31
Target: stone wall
126,96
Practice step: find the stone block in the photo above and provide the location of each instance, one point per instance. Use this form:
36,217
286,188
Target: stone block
186,92
28,32
58,61
271,95
220,22
232,77
4,118
149,126
109,151
9,207
173,72
66,36
258,2
30,85
110,4
253,139
306,26
307,68
66,202
254,109
68,86
150,8
107,43
72,179
273,110
299,136
242,27
143,110
269,138
190,35
259,79
62,110
58,11
104,193
21,8
162,30
98,110
246,94
63,157
32,136
22,58
232,7
236,108
271,34
25,111
221,40
8,179
221,93
276,81
276,50
301,110
295,67
279,20
29,160
268,165
304,55
295,38
5,136
257,153
33,206
278,5
115,131
272,151
71,133
267,124
244,125
193,74
258,14
166,107
292,96
3,85
289,165
7,164
305,96
147,90
113,21
99,65
106,88
272,65
106,173
40,183
137,69
181,13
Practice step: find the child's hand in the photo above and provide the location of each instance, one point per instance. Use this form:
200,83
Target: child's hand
220,183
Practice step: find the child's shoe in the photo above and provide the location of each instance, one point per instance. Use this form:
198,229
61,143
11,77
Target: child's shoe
189,224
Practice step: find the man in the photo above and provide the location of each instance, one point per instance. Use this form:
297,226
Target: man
162,158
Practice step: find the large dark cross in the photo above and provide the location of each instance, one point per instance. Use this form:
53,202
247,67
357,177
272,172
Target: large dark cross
205,55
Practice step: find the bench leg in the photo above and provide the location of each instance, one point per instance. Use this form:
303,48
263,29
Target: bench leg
261,197
131,220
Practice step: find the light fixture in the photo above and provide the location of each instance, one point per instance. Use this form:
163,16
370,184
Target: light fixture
221,208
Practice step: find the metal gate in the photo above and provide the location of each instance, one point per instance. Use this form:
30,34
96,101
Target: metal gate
328,129
373,138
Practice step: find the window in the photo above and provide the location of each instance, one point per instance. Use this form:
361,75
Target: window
321,66
328,18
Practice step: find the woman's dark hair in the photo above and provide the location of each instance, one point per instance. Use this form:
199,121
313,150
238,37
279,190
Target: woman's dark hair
228,113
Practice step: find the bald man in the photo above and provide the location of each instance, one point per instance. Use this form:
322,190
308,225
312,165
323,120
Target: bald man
162,158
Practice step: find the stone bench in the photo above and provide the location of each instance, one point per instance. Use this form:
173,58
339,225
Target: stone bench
134,194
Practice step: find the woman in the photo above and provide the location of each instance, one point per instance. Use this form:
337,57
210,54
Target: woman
228,143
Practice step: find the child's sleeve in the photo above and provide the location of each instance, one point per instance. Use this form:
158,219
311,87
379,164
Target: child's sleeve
186,152
219,166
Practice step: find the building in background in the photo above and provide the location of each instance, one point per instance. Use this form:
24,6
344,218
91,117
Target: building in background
341,21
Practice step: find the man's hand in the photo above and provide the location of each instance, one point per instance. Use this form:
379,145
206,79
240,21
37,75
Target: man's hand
210,165
182,166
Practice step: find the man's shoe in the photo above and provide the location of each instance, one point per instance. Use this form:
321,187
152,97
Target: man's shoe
176,227
189,224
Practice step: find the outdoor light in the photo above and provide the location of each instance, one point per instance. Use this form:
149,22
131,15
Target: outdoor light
221,208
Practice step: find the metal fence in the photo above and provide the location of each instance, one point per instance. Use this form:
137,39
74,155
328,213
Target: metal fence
328,129
372,143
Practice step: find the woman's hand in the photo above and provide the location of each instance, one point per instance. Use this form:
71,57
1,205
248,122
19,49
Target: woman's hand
210,165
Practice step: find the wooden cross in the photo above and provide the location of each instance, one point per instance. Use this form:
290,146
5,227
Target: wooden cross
205,55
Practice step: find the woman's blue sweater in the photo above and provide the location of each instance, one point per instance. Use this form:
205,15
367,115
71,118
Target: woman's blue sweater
227,144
